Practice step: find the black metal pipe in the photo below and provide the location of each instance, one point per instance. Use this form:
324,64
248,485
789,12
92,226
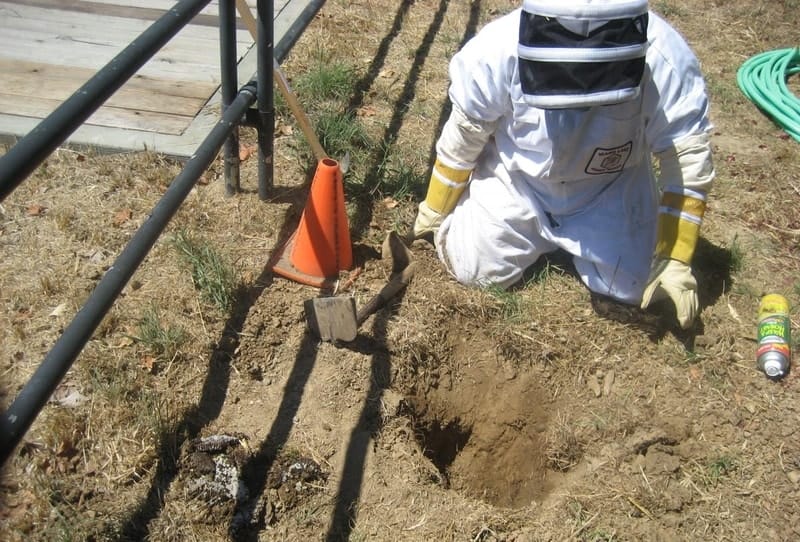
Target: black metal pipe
15,421
39,143
266,104
294,31
229,83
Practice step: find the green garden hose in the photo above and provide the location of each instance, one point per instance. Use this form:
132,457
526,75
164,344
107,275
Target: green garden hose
762,78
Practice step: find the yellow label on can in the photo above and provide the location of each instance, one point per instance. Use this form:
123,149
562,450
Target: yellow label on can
773,304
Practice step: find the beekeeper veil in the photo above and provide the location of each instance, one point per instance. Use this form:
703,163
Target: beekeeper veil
581,53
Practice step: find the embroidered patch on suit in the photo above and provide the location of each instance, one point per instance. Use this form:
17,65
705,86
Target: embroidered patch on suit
613,160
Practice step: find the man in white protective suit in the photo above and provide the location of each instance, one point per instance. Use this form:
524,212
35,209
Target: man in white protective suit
557,110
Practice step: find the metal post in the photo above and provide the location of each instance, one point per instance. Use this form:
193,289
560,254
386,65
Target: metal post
266,105
39,143
229,83
15,421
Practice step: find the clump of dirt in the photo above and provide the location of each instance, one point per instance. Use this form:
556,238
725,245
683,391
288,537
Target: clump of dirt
211,468
290,480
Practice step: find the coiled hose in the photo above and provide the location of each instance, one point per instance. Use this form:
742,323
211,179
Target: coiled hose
762,78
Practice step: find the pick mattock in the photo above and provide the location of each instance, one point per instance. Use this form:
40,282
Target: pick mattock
336,319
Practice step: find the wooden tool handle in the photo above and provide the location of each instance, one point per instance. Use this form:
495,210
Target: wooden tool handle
283,86
397,282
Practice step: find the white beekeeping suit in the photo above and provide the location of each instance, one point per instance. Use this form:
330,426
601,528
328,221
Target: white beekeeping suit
557,110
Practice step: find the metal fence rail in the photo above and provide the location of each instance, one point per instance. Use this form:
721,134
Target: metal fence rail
35,147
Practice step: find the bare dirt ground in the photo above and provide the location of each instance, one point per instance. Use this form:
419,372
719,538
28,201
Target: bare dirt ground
457,414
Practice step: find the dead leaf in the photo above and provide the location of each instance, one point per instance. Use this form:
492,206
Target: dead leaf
125,341
66,448
58,311
608,382
148,363
367,111
695,373
68,397
245,151
283,129
734,313
35,209
122,216
594,385
390,203
97,257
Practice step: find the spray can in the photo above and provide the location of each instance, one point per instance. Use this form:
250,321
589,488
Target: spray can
774,352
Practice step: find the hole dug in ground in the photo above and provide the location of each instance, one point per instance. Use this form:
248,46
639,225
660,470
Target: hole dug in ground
484,425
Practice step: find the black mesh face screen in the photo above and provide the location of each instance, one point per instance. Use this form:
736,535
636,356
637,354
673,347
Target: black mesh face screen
578,78
609,61
539,31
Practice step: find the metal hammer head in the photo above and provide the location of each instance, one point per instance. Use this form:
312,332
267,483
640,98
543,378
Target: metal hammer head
332,318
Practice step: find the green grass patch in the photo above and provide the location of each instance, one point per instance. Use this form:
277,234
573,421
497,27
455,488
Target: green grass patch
341,134
212,274
737,256
163,340
327,80
510,303
718,468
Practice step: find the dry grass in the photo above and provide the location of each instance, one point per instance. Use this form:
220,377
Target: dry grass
584,420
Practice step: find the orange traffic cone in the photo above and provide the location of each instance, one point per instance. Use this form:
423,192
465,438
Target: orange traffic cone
320,247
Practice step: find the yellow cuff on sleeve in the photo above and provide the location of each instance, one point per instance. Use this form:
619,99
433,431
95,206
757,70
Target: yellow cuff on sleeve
680,215
445,187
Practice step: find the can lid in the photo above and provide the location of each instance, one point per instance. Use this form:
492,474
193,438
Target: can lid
773,367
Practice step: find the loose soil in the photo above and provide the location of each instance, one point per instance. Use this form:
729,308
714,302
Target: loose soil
545,413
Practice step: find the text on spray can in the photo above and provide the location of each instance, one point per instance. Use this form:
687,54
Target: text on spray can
774,352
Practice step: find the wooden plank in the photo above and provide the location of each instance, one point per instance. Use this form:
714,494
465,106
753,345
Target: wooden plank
151,11
105,139
278,7
175,65
163,87
111,42
114,30
211,9
112,117
58,83
91,57
12,15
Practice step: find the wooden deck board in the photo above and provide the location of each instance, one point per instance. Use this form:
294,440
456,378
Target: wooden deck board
49,48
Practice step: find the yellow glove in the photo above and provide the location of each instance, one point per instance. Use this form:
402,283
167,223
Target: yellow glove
457,149
428,221
673,279
687,173
445,188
